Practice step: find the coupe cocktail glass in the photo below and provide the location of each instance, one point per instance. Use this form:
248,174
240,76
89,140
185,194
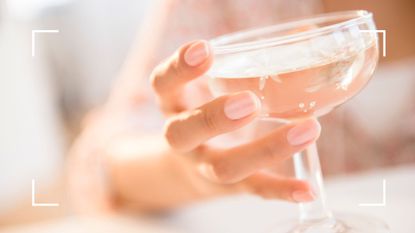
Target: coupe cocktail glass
303,69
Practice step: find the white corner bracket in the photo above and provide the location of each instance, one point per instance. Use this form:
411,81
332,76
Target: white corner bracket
383,32
34,204
34,38
381,204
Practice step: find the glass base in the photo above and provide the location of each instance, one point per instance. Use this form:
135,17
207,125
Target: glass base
342,223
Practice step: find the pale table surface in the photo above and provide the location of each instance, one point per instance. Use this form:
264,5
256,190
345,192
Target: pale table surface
246,214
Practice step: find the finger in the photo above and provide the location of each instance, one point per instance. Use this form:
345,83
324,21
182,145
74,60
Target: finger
270,186
188,62
189,129
235,164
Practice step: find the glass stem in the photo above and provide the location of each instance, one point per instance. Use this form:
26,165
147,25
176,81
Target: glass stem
307,167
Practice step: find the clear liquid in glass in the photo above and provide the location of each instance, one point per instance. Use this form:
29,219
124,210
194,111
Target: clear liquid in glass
308,91
303,80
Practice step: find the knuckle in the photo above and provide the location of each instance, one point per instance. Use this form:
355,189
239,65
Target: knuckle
171,68
275,149
172,134
209,120
176,69
156,79
222,171
269,150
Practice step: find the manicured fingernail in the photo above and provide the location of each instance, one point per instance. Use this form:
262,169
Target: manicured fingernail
241,105
197,53
303,196
303,133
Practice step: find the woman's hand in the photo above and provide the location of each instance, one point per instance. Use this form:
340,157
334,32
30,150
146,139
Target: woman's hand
236,169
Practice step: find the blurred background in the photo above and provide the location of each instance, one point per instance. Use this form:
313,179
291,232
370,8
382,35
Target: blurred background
44,98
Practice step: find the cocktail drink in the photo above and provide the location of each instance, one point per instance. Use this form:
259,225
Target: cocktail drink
304,91
302,69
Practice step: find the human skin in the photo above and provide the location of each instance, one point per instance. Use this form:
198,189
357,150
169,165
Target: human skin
161,172
148,173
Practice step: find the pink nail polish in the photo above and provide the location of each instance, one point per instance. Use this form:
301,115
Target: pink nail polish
303,133
197,53
303,196
241,105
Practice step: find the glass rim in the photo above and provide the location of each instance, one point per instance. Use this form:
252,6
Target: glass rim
224,45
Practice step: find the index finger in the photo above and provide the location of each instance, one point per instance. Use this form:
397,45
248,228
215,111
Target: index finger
187,63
